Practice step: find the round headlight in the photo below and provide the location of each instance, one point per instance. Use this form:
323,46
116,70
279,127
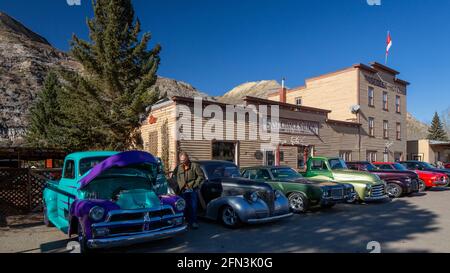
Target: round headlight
278,194
180,205
97,213
254,197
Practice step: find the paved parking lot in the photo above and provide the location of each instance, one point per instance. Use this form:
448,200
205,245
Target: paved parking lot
415,224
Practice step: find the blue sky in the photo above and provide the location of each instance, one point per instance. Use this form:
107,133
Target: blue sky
217,44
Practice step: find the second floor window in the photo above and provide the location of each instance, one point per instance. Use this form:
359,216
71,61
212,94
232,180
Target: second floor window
399,131
398,104
371,96
371,127
299,101
386,129
385,101
371,156
346,155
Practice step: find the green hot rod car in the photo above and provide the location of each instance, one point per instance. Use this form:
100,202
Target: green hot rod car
369,187
302,193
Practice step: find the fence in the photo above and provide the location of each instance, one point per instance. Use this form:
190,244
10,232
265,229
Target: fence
21,189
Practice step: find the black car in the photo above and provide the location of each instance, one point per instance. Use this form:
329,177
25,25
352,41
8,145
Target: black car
423,166
399,183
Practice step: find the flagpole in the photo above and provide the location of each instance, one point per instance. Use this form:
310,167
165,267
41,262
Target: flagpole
387,52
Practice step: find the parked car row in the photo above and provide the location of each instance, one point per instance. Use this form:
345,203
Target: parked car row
111,199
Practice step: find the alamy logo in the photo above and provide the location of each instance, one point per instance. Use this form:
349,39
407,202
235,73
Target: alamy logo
213,122
73,2
374,2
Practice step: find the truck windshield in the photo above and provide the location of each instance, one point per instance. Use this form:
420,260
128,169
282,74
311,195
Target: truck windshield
286,173
337,164
215,171
86,164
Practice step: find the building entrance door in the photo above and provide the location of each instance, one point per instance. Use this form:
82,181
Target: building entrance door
303,153
269,158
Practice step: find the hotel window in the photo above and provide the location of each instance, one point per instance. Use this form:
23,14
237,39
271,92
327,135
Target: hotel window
398,104
386,129
371,127
371,96
385,101
399,131
299,101
346,155
371,156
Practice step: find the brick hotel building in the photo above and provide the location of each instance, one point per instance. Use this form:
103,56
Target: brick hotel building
356,113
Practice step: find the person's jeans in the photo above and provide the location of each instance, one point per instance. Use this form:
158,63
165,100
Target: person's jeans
191,198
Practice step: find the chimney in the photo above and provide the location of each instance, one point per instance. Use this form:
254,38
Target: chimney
283,91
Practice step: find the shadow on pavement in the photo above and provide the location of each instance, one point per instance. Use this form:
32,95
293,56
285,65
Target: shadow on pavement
343,229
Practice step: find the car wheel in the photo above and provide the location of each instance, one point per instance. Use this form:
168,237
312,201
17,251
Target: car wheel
298,202
82,240
47,222
229,217
394,190
422,186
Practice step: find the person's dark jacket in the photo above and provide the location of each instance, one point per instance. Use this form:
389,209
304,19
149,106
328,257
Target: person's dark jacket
192,178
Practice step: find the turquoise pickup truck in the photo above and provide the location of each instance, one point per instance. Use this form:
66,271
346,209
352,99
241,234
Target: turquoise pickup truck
369,187
113,199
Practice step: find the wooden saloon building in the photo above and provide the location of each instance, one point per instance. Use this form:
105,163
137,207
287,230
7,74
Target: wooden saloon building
338,114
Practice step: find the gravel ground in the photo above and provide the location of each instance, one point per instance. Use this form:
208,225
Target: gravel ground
412,224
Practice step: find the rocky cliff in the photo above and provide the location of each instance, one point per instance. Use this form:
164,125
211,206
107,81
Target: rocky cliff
25,59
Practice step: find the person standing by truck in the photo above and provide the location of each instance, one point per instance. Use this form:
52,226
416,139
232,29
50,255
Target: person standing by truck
189,177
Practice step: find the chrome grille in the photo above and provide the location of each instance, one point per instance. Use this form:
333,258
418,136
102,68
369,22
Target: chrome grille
337,193
132,216
378,191
269,198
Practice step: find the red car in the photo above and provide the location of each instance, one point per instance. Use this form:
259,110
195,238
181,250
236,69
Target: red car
430,179
447,166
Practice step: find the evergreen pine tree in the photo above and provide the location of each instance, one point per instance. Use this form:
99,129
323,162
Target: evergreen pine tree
436,131
104,104
45,114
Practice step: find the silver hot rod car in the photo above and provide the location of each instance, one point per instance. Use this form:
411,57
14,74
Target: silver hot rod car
228,198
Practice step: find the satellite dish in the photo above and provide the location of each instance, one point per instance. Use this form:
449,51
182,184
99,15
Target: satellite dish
355,109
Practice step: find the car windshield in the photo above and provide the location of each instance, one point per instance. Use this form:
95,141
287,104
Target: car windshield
221,170
87,164
285,173
427,165
371,167
337,164
400,167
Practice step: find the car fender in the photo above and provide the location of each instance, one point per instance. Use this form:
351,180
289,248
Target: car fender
50,202
243,208
397,182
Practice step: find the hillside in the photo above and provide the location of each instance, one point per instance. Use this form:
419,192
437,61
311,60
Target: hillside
25,60
258,89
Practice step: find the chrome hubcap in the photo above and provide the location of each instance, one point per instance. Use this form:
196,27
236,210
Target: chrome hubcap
296,202
229,217
392,190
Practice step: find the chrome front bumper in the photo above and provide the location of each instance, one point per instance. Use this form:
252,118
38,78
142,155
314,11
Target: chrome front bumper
132,239
378,198
269,219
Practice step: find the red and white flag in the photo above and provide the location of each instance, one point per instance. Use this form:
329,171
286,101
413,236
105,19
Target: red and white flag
389,45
